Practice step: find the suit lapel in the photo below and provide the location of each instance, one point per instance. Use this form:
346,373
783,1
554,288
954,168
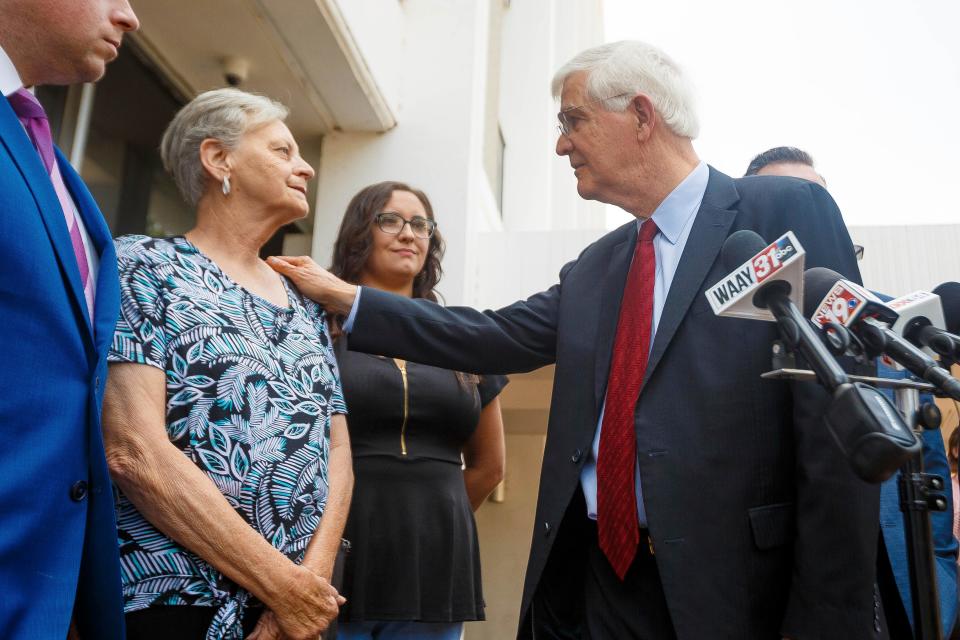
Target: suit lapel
89,212
613,283
710,229
106,288
38,181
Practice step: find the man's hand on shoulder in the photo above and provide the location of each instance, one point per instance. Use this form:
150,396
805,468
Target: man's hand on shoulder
315,282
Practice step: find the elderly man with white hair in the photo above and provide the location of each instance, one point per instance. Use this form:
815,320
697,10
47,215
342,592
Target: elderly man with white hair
681,495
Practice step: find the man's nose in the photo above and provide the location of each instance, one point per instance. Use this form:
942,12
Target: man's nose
564,146
124,17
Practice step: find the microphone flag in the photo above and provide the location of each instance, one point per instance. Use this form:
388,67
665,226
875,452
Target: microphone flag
733,295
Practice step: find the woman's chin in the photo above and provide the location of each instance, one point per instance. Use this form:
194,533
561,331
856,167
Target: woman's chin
299,213
292,214
402,275
405,276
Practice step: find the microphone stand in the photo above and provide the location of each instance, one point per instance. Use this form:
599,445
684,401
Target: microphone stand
919,492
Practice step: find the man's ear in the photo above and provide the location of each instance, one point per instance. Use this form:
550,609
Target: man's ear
215,159
641,107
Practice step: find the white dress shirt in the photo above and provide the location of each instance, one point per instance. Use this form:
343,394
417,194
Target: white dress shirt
674,218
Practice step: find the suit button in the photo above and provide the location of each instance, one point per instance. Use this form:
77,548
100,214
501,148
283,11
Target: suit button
546,528
575,458
96,383
78,491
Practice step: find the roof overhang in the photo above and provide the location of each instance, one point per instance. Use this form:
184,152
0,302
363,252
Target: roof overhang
300,52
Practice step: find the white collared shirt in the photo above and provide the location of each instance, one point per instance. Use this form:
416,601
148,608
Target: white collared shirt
674,218
9,83
9,78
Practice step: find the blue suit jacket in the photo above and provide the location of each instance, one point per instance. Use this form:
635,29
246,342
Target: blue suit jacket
894,536
58,543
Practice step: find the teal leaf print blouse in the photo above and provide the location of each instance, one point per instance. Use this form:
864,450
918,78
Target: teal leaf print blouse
250,389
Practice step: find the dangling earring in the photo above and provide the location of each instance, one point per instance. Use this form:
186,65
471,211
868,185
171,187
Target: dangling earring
226,185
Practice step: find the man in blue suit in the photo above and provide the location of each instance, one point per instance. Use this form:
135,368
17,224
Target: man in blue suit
59,297
893,572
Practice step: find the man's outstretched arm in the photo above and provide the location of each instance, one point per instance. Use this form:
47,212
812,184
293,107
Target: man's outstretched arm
520,337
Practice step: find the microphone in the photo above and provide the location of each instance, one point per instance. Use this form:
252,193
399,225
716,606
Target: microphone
868,318
758,265
751,263
922,322
864,424
949,293
845,303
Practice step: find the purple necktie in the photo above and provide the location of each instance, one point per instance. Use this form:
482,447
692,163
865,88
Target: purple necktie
34,121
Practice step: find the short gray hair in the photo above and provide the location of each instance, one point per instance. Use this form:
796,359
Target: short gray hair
221,114
631,67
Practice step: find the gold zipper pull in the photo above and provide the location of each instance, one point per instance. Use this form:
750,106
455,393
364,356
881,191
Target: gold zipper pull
402,365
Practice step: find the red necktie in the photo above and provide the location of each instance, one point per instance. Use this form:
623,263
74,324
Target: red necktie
617,527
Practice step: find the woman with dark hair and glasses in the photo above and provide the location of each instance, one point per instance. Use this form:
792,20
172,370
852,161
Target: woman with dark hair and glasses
427,442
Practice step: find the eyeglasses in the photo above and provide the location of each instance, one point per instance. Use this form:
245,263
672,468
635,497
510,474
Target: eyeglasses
566,124
393,223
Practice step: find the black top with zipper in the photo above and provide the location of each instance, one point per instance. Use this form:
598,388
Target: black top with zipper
414,551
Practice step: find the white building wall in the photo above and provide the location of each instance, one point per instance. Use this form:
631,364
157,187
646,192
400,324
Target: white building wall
377,30
436,143
577,26
538,38
517,264
527,114
546,223
904,258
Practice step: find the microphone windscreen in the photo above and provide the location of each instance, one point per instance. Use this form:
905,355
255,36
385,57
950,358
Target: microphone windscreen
740,247
949,293
817,282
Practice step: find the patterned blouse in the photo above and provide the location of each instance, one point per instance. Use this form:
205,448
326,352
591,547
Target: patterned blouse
250,390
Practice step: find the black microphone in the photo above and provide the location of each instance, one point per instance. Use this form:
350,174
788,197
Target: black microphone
937,340
864,424
868,322
774,295
949,293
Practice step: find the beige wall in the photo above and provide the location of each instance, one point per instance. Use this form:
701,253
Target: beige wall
505,530
949,412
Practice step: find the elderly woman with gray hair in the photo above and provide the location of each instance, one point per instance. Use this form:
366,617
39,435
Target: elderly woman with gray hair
223,414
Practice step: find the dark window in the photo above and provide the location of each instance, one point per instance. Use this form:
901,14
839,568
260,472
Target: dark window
121,162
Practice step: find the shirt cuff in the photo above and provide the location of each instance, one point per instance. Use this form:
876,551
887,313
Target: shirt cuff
348,323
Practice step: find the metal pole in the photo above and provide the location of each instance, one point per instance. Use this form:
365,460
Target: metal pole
83,126
916,520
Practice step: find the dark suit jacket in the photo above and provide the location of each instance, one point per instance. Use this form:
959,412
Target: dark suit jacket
759,525
58,539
